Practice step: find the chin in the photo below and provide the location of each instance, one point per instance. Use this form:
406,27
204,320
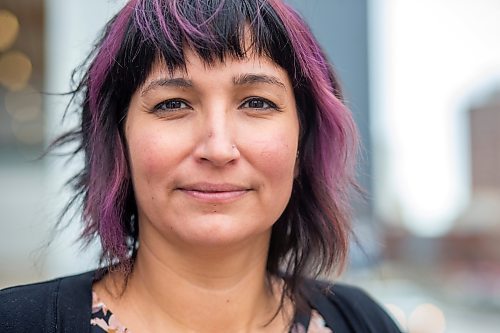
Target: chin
221,230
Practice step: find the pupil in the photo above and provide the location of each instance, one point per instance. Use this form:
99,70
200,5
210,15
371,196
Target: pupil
173,105
256,104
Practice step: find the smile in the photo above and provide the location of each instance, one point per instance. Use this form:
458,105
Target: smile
214,193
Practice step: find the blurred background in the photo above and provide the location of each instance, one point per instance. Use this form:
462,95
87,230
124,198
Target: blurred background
423,81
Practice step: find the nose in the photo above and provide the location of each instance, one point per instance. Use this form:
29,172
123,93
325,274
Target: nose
217,140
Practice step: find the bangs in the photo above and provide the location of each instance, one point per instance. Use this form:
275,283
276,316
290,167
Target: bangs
212,29
146,32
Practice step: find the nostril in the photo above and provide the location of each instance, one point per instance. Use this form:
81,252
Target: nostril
217,153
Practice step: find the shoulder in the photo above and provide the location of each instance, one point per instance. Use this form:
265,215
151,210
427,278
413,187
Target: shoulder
38,307
25,308
359,311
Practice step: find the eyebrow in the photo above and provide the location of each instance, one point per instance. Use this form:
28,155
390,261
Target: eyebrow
177,82
240,80
248,79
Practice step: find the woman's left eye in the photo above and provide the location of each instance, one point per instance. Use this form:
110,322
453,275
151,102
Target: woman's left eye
258,103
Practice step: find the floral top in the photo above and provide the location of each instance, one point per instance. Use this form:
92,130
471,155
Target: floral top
103,321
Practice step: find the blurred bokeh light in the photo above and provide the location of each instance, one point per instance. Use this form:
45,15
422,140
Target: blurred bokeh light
427,318
24,105
9,27
15,70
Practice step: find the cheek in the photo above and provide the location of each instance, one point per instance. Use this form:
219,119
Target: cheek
144,154
150,156
276,158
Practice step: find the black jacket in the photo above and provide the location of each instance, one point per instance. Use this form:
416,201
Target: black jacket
63,305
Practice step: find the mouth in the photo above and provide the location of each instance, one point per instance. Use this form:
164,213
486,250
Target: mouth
214,193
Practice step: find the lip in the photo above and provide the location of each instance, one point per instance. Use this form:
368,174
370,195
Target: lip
214,193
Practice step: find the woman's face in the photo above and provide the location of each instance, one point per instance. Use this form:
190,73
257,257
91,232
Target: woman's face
212,150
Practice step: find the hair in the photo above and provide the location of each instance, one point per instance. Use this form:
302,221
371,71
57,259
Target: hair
311,236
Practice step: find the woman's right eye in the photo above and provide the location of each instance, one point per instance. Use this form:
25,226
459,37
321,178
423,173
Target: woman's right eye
171,105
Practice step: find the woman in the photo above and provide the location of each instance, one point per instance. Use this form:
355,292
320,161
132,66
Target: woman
218,161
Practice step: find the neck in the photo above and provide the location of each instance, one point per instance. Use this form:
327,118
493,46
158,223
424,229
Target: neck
204,289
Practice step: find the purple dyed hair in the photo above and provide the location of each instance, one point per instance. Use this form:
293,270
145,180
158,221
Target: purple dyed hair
311,236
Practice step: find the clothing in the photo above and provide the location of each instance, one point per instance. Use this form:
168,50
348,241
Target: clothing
64,305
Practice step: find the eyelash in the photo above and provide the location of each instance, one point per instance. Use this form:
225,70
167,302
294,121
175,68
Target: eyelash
270,104
161,106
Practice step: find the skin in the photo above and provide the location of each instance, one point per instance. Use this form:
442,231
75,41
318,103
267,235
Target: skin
212,154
